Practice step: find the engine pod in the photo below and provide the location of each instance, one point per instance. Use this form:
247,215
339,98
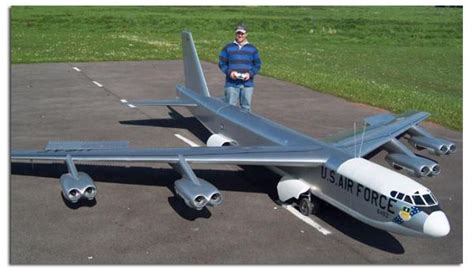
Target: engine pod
76,188
416,166
197,196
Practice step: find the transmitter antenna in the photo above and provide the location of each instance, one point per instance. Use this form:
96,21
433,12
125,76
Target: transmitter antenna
362,140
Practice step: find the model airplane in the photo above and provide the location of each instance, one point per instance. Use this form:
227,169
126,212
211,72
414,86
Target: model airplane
312,170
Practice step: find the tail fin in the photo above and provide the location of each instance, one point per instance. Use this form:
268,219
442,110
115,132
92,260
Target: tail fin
194,77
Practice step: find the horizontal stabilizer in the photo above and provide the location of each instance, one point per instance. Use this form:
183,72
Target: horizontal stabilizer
158,102
85,145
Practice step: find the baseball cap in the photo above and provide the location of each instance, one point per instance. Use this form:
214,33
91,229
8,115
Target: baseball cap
241,28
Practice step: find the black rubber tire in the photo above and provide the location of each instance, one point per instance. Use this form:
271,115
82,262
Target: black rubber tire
305,206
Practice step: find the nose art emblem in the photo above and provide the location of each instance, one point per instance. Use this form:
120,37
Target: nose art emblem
405,214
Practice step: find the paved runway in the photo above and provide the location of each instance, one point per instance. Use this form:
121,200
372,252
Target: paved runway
136,218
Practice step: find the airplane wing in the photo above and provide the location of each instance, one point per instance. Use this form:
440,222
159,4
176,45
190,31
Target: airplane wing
383,131
378,131
118,151
196,192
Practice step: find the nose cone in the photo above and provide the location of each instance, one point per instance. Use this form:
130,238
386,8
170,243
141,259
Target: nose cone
436,225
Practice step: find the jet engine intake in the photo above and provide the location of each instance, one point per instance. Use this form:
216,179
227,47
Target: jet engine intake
197,196
433,145
216,199
75,188
416,166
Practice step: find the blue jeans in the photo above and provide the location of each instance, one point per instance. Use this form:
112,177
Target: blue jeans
239,93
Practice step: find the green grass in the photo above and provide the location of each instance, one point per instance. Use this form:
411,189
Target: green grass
397,58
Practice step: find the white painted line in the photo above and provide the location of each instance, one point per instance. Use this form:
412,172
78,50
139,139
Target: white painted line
77,69
98,84
306,219
131,106
186,140
123,101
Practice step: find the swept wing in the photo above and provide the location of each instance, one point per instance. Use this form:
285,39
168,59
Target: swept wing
379,130
263,155
384,131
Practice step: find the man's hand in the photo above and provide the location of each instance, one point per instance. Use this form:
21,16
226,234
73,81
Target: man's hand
234,76
247,76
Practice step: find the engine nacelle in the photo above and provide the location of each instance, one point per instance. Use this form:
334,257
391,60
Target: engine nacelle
218,140
433,145
416,166
198,196
75,188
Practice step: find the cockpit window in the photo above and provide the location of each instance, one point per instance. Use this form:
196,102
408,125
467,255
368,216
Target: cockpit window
418,200
408,199
428,199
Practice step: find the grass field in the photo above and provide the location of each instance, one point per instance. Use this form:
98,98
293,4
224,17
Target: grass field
397,58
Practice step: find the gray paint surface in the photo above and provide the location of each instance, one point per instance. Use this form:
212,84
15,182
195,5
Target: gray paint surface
55,102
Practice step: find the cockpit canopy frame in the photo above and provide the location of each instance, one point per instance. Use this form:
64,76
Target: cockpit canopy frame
427,199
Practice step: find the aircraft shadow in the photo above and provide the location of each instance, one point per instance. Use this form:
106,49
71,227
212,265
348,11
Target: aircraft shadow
252,179
185,212
360,231
177,120
165,177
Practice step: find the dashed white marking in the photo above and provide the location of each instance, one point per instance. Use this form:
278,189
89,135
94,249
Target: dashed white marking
186,140
131,106
123,101
306,219
98,84
76,69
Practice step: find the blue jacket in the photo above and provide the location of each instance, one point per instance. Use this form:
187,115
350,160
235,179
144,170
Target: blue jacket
244,59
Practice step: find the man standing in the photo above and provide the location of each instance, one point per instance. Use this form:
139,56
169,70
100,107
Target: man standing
240,62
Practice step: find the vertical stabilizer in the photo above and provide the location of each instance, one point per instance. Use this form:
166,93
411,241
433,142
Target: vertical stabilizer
193,74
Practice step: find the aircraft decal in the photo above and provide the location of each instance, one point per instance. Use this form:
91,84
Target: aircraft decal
383,203
405,214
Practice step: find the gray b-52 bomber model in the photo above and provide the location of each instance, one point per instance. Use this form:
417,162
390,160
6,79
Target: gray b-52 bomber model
312,170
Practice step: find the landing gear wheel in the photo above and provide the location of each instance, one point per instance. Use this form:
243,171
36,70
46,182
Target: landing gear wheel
306,206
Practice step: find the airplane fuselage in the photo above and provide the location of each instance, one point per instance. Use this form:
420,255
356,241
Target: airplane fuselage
247,129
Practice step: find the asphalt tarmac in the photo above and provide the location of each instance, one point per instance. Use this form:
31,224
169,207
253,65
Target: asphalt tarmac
136,218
